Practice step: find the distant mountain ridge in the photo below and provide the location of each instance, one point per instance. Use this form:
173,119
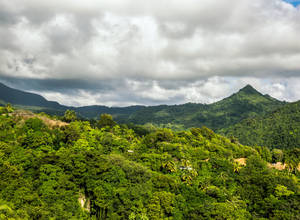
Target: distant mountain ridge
247,102
38,103
18,97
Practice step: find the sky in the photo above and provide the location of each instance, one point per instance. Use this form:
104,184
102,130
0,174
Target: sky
293,2
132,52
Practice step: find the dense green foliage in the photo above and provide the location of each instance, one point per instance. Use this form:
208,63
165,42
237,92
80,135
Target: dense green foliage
117,174
279,129
70,116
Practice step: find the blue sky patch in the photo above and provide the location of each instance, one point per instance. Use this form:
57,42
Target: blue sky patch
293,2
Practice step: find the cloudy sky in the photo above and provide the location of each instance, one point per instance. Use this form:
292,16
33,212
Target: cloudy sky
127,52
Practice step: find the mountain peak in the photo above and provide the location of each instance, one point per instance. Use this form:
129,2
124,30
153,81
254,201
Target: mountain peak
248,89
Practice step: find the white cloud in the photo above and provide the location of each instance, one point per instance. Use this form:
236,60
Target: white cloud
200,44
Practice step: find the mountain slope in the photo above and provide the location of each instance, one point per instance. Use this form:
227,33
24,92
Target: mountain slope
279,129
248,102
18,97
38,103
121,114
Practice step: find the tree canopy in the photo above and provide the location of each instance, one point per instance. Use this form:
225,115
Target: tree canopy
81,171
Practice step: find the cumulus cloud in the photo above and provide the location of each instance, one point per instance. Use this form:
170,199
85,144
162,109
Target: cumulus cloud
124,52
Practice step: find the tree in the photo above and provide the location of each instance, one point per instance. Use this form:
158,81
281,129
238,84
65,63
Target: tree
9,108
277,155
169,166
106,120
161,205
70,116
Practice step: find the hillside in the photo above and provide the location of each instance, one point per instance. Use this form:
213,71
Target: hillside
37,103
82,172
18,97
247,102
278,129
121,114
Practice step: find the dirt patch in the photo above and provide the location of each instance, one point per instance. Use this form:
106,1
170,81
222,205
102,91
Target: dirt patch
241,161
49,122
277,166
52,123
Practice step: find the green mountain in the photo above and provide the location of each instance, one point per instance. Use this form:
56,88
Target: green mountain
119,113
17,97
248,102
77,171
278,129
37,103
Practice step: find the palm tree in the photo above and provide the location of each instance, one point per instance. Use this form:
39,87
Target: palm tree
170,166
236,167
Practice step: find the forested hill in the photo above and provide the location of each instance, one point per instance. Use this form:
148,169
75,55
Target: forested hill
248,102
107,171
37,103
18,97
279,129
121,114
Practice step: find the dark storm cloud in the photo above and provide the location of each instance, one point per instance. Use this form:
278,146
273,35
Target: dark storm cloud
6,18
134,52
61,85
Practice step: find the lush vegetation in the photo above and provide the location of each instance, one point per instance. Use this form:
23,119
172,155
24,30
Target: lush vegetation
103,170
279,129
244,104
